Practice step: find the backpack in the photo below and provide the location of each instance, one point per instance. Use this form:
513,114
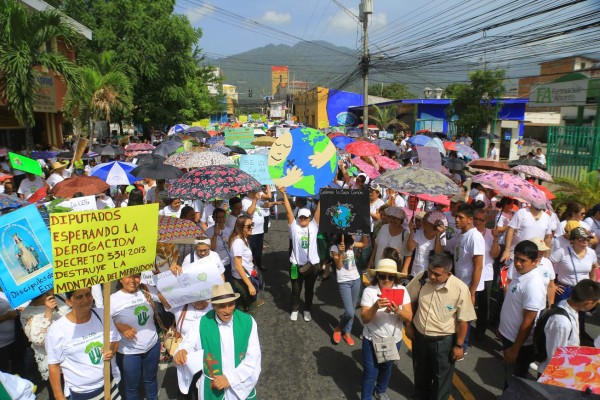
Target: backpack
539,336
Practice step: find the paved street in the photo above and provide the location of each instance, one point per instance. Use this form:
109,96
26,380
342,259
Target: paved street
301,362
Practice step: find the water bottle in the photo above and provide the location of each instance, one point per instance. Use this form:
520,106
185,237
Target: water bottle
294,272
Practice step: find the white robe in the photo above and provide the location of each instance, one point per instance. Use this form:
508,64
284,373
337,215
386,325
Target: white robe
242,379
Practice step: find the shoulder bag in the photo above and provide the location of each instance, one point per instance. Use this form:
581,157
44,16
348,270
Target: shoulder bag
173,337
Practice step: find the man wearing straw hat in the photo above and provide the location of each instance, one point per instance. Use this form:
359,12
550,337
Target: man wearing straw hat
226,340
56,174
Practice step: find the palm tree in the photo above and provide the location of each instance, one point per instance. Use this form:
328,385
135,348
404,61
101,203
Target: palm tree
384,117
23,38
105,90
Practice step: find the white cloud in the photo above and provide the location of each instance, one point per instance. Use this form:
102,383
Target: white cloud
342,22
275,18
197,13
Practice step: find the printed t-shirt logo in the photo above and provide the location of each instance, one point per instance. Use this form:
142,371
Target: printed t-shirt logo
142,314
93,350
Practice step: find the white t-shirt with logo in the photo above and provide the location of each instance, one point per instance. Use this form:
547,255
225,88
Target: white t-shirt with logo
544,268
27,187
77,348
569,268
383,324
384,239
348,272
132,309
526,227
304,243
258,218
424,247
468,244
525,292
241,249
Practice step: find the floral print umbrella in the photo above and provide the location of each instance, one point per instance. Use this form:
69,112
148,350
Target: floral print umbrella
177,230
511,185
417,180
191,159
534,171
213,182
365,167
386,162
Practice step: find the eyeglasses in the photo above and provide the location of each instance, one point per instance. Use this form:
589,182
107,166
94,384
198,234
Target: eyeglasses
583,239
203,252
384,277
249,225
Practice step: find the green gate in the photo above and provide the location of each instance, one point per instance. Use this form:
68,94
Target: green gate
571,149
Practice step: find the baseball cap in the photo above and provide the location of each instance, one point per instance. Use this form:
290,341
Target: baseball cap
304,212
579,233
539,242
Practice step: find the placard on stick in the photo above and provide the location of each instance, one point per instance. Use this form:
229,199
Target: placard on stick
345,211
25,254
92,247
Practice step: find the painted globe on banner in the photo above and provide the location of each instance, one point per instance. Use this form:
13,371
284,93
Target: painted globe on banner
303,160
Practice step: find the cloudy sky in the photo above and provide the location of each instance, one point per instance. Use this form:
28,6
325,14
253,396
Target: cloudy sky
224,34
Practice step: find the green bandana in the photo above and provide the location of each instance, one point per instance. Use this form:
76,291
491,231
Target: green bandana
210,338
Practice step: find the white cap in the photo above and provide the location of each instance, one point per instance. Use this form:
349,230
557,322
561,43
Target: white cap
304,212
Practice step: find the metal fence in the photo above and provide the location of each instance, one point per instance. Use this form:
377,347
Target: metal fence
572,149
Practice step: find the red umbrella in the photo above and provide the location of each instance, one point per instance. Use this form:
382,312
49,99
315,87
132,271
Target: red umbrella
386,162
213,133
39,194
441,199
365,167
423,131
490,165
369,127
139,147
549,194
450,146
363,149
88,185
335,134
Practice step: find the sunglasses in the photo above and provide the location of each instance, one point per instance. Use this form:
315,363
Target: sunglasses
383,277
249,225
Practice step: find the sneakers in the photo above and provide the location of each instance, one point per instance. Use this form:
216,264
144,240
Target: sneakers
533,366
348,339
337,336
307,316
294,316
381,396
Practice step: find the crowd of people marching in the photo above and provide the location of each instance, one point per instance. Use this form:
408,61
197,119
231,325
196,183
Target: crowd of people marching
446,264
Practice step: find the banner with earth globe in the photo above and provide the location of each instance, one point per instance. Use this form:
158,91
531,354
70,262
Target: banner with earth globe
345,211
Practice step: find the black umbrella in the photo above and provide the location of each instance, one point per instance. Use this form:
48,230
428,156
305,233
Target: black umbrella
147,158
529,142
109,150
156,170
167,148
527,161
491,136
237,149
455,164
173,138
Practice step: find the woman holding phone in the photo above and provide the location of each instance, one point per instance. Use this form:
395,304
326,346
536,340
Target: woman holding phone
382,318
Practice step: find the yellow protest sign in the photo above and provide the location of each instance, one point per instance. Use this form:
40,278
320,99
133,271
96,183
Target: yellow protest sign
92,247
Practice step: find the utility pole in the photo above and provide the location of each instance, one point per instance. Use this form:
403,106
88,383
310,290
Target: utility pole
365,8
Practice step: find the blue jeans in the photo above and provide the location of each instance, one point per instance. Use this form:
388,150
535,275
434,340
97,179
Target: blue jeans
140,367
349,292
374,372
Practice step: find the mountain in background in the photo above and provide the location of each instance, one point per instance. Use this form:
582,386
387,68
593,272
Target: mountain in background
319,62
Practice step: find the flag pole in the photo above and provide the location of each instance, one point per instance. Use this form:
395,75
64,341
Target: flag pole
106,296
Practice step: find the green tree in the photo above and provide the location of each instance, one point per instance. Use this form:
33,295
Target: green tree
24,35
104,91
472,105
453,89
159,48
395,91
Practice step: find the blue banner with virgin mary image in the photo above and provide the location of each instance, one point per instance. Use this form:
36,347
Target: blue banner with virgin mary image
25,255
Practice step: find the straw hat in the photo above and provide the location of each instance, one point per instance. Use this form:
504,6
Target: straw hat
386,266
223,293
539,242
57,165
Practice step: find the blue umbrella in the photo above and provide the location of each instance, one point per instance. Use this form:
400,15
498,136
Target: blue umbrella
385,144
214,139
115,173
342,141
178,128
419,140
